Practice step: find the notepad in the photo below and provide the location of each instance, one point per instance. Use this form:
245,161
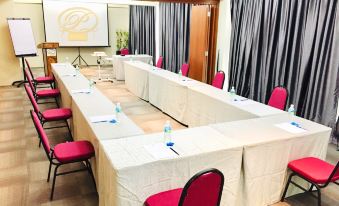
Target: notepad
243,101
80,91
287,126
68,75
160,151
103,118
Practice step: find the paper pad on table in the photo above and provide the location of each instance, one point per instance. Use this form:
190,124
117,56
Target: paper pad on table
287,126
160,151
76,91
102,118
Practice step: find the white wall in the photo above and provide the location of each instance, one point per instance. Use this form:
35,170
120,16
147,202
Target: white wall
224,37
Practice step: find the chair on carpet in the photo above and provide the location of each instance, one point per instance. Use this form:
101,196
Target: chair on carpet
49,115
203,189
44,93
159,62
219,80
40,80
64,153
124,51
315,171
278,98
185,69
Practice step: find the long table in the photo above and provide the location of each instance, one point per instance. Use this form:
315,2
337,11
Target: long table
84,106
118,63
131,173
267,151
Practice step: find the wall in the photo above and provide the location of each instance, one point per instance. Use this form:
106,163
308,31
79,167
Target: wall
118,19
9,64
224,37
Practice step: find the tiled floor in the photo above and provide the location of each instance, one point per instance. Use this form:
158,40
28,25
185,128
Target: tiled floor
24,166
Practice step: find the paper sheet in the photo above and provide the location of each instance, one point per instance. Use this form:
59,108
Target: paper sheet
242,101
287,126
160,151
102,118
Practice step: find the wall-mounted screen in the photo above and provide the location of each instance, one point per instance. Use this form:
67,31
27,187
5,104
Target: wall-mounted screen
76,24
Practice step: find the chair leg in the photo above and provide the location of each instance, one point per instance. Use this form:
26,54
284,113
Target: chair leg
40,143
286,187
49,171
319,195
310,190
69,129
89,167
54,178
56,102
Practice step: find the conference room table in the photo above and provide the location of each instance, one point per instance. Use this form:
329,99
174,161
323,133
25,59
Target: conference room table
118,63
270,143
134,168
86,106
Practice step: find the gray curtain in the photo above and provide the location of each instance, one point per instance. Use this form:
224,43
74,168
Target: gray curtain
142,30
174,34
290,43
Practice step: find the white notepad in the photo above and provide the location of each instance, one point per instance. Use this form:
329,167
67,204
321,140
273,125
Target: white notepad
160,151
79,91
287,126
102,118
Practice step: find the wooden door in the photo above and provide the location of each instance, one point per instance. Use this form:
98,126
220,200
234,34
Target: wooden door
199,42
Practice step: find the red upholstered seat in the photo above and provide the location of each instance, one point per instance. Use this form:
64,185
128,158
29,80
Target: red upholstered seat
57,114
185,69
278,98
124,51
219,80
159,62
47,79
314,169
73,151
167,198
48,93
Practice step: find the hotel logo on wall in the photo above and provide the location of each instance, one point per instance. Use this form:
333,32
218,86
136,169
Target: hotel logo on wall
77,22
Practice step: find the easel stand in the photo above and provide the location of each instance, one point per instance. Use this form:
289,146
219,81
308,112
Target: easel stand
21,82
79,58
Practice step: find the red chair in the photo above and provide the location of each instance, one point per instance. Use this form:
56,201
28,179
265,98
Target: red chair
124,51
64,153
203,189
315,171
278,98
40,80
219,80
50,115
185,69
42,94
159,62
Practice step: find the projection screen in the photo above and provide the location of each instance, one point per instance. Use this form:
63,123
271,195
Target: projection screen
76,24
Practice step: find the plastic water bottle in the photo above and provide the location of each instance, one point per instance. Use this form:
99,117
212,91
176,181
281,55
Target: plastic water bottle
136,52
180,73
291,110
233,93
168,133
77,70
90,85
151,62
118,110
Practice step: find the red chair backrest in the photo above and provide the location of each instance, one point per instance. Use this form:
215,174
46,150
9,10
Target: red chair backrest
278,98
204,188
159,62
41,132
219,80
29,68
31,98
124,51
185,69
29,79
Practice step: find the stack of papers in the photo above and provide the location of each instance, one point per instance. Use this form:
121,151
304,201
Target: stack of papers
79,91
160,151
103,118
291,127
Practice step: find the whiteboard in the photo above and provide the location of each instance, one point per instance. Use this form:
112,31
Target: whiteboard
76,24
22,37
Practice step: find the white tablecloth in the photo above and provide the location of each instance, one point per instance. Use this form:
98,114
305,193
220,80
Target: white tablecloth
267,151
131,173
118,63
136,78
168,92
207,105
85,106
